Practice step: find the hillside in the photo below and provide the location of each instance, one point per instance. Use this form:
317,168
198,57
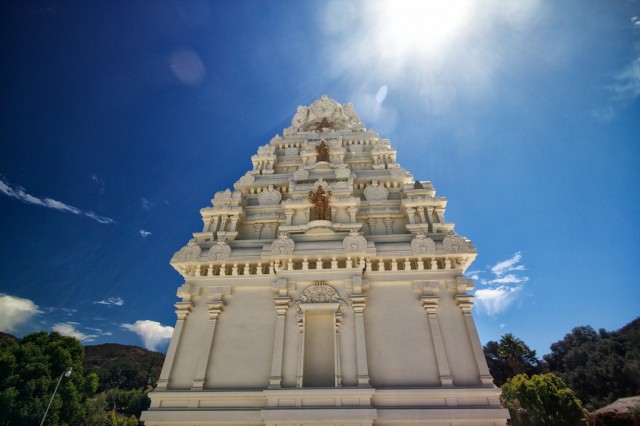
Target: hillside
122,366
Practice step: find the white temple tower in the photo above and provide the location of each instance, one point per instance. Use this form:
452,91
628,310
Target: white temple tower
326,288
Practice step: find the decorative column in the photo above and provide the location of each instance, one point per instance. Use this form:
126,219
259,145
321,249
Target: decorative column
214,308
182,311
282,302
372,225
465,302
353,210
234,222
411,215
337,319
257,227
300,317
430,303
388,223
358,302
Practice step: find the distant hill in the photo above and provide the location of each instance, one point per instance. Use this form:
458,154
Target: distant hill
122,366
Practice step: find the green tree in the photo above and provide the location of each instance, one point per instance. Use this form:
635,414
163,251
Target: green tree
600,366
541,400
29,371
511,356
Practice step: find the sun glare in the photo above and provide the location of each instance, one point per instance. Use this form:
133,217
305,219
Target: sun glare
420,26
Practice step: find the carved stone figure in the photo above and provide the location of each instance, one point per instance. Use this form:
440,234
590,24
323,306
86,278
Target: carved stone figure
375,192
323,151
188,253
300,117
300,174
421,244
320,200
220,251
454,244
284,245
354,243
269,196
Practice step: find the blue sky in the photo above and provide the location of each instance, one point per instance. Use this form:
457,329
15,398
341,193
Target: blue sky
120,120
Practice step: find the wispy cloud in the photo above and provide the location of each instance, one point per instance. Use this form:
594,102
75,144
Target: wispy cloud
15,311
507,265
144,234
153,333
502,285
111,301
627,85
20,194
100,331
69,329
97,179
146,204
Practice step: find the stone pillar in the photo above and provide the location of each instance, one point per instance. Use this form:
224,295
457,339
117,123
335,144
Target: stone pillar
182,311
388,223
288,213
299,377
282,302
337,319
411,215
430,304
215,305
352,213
358,302
257,227
465,302
372,225
234,222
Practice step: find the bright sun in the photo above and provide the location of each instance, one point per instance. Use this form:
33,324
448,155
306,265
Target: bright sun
419,26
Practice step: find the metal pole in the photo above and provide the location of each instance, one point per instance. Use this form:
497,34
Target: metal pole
66,373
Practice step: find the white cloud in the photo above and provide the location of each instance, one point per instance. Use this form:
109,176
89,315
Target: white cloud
507,265
111,301
509,279
628,86
144,234
494,301
503,288
97,179
69,329
153,333
15,311
20,194
146,204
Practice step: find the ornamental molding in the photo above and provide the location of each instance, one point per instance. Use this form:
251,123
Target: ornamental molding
247,179
290,152
454,244
266,150
301,174
190,252
269,197
396,170
421,244
376,192
354,243
343,173
327,186
319,293
220,251
283,245
324,112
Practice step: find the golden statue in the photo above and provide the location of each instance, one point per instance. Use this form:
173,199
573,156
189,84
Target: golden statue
320,200
323,151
